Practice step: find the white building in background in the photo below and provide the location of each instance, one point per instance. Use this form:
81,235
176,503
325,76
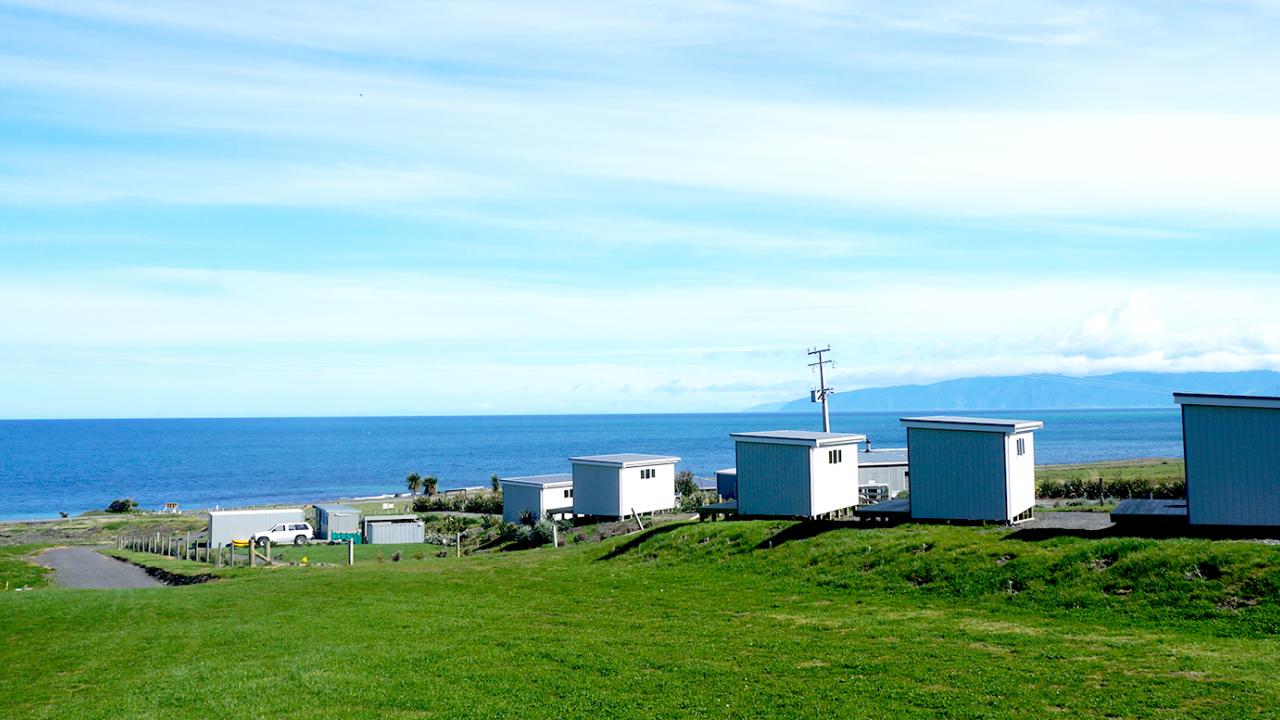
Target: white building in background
882,473
542,496
617,485
796,473
971,469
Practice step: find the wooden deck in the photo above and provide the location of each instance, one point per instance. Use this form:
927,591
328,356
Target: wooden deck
1135,510
718,511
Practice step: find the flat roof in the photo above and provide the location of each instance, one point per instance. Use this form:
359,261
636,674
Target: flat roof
728,471
883,456
800,437
390,518
540,480
625,460
336,508
975,424
1247,401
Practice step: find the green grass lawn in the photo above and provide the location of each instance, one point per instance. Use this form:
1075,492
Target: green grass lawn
337,554
16,572
738,619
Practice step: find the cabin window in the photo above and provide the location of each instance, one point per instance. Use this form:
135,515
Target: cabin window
646,473
568,493
1022,446
835,456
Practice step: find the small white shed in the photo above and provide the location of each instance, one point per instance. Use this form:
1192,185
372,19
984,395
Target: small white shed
541,496
796,473
971,469
618,485
1232,448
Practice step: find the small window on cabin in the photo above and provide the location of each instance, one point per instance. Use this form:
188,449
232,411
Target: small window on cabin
1022,446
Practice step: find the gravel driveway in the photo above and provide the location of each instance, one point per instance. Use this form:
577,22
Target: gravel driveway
85,567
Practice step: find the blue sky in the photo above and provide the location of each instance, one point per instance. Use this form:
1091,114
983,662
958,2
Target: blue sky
487,207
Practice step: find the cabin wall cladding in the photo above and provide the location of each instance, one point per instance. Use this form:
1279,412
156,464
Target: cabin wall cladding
956,473
773,479
518,498
595,490
1233,465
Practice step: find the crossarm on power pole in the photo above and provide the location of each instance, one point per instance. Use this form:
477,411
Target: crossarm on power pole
820,395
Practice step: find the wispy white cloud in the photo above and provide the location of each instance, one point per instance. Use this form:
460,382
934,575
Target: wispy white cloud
648,205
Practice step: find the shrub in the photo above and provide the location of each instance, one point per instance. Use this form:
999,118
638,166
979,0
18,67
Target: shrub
1086,485
692,501
488,503
122,505
540,533
685,484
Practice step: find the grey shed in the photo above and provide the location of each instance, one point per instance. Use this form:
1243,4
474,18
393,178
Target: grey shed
393,529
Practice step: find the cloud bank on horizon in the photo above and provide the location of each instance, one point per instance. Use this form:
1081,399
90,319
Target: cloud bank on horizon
490,207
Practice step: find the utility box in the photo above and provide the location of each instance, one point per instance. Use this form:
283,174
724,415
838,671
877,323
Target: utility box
338,523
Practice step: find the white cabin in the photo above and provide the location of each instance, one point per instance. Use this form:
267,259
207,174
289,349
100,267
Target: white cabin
971,469
618,485
796,473
541,496
1232,449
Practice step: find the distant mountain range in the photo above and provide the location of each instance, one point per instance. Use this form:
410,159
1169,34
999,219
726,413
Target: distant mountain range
1043,392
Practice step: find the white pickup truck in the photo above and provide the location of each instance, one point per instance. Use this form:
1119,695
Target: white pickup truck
294,532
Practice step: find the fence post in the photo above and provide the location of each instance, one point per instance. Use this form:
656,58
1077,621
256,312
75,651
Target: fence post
459,544
268,558
351,551
555,534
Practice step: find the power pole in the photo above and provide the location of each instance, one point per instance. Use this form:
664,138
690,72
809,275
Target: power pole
820,395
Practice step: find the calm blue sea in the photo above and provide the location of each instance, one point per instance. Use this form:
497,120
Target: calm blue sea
77,465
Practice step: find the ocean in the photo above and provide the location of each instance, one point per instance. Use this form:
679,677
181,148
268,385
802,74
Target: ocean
47,466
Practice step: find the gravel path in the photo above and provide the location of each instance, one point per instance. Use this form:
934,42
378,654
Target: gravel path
1068,521
85,567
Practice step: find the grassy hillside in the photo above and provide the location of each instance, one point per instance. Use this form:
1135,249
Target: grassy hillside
745,619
